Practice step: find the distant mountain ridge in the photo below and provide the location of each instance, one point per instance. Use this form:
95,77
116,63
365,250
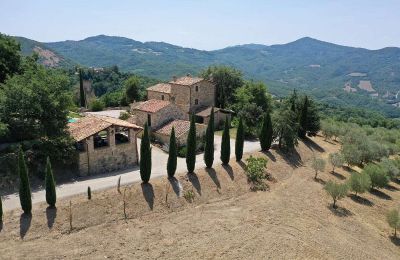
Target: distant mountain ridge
319,67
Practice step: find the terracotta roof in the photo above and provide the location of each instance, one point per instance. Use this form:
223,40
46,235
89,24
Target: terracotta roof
90,125
181,127
187,80
161,87
152,105
206,112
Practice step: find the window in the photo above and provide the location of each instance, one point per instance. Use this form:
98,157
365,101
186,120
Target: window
162,97
148,119
101,139
197,88
196,101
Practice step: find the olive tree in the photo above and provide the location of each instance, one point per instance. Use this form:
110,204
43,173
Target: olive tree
359,183
336,160
393,219
336,190
318,164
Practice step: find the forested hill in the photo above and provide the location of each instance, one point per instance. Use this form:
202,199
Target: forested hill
314,66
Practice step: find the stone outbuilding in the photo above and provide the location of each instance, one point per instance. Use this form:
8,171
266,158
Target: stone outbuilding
220,115
104,144
181,131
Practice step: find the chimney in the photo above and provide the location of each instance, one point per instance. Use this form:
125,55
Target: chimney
174,78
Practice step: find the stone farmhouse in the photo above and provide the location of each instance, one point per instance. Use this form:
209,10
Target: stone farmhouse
171,104
104,144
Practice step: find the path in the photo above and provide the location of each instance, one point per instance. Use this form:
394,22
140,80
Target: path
106,181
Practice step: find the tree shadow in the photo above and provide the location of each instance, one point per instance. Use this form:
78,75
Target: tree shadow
51,214
24,224
148,193
395,240
391,187
1,225
312,145
194,180
338,175
292,158
339,211
320,181
229,170
395,180
242,165
213,175
361,200
269,155
176,186
380,194
348,169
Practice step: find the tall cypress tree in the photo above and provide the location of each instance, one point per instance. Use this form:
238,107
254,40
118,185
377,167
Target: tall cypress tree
145,156
209,145
266,133
24,186
239,142
172,155
191,146
303,119
81,90
226,144
51,196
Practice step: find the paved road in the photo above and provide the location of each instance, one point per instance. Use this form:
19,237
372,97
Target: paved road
106,181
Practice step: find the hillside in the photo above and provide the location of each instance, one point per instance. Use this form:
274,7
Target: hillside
293,220
320,68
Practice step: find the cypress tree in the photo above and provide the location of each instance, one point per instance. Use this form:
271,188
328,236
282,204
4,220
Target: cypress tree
81,90
24,186
191,146
226,144
303,120
266,133
89,193
209,145
145,156
172,155
239,142
51,196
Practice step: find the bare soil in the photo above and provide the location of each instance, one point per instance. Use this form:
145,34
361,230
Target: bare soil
293,220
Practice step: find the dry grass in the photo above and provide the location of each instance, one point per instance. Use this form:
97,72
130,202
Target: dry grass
225,220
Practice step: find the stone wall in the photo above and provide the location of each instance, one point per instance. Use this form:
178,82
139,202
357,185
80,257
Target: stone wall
111,158
160,117
181,140
219,119
157,95
205,95
181,97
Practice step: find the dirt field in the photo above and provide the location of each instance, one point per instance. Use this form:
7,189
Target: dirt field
226,220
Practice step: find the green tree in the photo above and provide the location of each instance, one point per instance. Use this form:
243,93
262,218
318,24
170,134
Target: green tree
359,183
239,142
266,133
336,160
24,186
351,154
96,105
379,179
172,155
191,146
1,210
132,89
336,190
318,164
393,219
390,168
51,196
145,156
226,80
10,58
89,193
225,144
82,96
285,128
303,118
209,142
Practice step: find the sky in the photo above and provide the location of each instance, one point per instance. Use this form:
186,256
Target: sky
207,24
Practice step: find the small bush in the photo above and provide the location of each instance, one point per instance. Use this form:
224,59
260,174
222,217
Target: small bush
189,196
255,171
393,219
96,105
336,190
124,115
182,151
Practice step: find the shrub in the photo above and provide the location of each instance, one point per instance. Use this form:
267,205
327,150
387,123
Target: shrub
226,144
393,219
379,179
51,196
145,156
96,105
336,190
255,171
24,186
172,155
318,164
336,159
209,142
189,196
239,141
124,115
182,151
359,182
